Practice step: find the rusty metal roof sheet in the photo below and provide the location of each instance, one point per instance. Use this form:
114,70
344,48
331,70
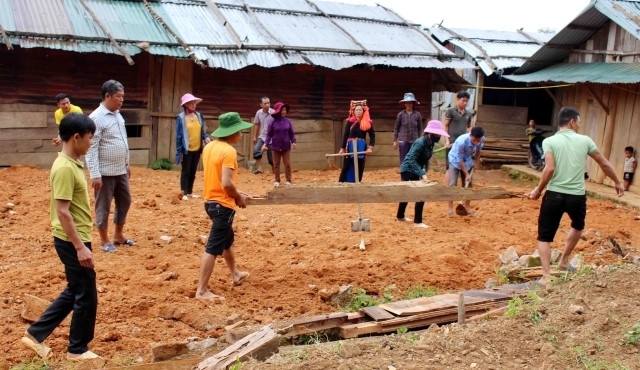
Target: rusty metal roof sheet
232,34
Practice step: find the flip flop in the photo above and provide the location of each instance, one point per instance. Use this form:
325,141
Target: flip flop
109,248
85,356
128,242
39,348
241,280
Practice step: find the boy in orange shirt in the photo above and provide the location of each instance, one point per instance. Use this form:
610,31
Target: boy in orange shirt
219,159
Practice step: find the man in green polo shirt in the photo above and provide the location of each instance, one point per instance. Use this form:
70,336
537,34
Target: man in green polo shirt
565,154
71,228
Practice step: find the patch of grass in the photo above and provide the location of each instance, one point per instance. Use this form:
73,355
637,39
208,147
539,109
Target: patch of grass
502,276
529,304
236,365
34,364
323,336
631,337
419,292
162,164
597,364
362,299
124,360
402,330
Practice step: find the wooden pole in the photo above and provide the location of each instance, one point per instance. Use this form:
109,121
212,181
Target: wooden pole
106,32
6,39
461,309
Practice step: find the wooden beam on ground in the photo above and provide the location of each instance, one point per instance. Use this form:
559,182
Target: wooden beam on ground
321,322
259,345
388,192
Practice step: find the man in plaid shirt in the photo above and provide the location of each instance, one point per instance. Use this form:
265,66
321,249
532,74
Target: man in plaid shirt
108,162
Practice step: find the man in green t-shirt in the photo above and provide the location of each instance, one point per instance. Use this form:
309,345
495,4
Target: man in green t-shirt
565,154
71,228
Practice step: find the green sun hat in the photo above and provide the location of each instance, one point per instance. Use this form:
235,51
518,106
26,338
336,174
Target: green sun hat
229,124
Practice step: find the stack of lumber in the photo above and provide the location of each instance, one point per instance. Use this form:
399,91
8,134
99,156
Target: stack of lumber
411,314
505,150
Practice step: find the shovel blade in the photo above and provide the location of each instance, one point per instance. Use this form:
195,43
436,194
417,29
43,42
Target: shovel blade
360,225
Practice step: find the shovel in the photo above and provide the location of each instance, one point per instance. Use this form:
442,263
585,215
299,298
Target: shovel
360,224
460,208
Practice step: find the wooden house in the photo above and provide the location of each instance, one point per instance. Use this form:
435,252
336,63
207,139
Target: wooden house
314,55
597,57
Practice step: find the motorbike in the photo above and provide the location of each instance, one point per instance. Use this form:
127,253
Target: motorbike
536,154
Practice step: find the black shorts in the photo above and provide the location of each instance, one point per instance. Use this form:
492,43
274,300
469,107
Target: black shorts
627,176
221,235
554,205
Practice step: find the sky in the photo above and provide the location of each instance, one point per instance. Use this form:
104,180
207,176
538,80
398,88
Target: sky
503,15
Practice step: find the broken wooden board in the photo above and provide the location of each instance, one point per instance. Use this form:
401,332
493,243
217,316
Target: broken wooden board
259,345
377,313
442,301
387,192
442,316
313,324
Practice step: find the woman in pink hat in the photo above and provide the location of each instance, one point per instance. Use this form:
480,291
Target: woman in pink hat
190,135
281,138
415,165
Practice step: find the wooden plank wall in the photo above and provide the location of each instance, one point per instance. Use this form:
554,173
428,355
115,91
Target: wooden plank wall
502,121
26,114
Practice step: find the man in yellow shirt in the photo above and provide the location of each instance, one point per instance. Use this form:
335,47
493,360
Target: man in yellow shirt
65,107
219,160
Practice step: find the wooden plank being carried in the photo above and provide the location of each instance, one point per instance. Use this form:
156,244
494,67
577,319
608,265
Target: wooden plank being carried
387,192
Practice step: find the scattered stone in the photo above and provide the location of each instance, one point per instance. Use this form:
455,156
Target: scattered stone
12,212
534,260
34,307
577,309
10,205
232,319
166,351
166,238
336,296
509,255
113,336
637,218
491,283
263,319
201,345
601,284
523,261
555,256
16,237
577,261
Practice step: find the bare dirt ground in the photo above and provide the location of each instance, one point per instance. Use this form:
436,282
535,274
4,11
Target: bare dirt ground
146,292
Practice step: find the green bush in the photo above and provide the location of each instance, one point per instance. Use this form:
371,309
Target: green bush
162,164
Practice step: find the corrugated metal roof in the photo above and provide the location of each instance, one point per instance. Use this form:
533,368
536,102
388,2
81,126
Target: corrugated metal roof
505,49
273,27
605,73
625,13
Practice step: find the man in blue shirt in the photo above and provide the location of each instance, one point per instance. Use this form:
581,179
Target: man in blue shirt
462,161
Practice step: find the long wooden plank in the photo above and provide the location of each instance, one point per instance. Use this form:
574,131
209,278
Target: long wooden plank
411,322
444,301
377,313
388,192
320,322
23,119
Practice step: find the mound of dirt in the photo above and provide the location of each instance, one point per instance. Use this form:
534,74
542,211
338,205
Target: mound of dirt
293,252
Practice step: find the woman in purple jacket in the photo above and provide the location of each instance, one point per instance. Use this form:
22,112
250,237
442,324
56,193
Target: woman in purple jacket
282,138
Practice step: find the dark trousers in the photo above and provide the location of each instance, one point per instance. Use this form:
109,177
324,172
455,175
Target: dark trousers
403,149
188,173
417,217
286,159
346,167
80,296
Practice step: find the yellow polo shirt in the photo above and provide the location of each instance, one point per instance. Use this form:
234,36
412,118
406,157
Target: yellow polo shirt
59,115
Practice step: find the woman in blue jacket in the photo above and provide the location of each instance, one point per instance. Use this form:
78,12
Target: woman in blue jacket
189,143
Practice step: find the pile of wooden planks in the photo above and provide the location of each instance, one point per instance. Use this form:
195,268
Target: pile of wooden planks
505,150
410,314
